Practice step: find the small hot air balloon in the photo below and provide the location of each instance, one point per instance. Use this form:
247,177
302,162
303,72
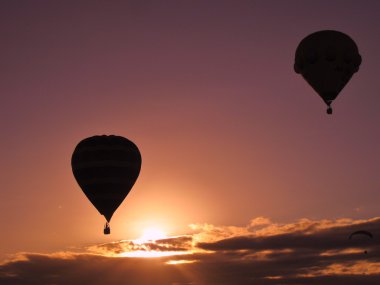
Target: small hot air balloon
365,233
327,60
106,168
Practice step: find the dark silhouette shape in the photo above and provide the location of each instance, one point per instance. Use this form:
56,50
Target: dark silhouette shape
329,109
327,60
107,229
361,233
106,168
366,233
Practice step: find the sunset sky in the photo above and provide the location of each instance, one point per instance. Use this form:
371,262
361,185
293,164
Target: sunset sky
243,173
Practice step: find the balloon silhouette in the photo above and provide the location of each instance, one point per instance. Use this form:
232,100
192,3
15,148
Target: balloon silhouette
327,60
106,168
365,233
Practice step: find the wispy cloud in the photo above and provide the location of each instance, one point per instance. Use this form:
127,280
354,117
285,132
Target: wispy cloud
263,253
171,246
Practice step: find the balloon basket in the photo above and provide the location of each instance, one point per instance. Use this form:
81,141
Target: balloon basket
107,229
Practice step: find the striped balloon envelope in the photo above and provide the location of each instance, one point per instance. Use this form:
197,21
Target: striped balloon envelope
106,168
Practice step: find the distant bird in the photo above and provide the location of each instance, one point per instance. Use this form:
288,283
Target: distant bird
106,168
327,60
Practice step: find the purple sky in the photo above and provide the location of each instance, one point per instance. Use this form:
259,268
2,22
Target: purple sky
206,89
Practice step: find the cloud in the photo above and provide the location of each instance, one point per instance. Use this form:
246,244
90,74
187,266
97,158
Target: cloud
262,253
120,248
86,269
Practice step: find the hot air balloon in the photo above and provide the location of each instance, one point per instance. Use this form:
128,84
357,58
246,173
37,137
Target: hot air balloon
327,60
365,233
106,168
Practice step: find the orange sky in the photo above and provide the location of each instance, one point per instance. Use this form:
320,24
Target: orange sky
227,131
309,251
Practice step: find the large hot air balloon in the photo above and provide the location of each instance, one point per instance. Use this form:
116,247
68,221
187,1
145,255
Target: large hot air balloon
327,60
106,168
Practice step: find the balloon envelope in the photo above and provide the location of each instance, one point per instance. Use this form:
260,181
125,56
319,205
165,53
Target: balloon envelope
327,60
106,168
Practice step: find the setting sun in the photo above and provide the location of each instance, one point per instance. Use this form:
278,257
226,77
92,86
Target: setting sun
153,243
151,234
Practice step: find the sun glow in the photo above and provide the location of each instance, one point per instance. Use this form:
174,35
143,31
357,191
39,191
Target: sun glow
151,234
182,261
152,253
152,243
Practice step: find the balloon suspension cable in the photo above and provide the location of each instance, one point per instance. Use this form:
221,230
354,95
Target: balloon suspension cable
107,229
